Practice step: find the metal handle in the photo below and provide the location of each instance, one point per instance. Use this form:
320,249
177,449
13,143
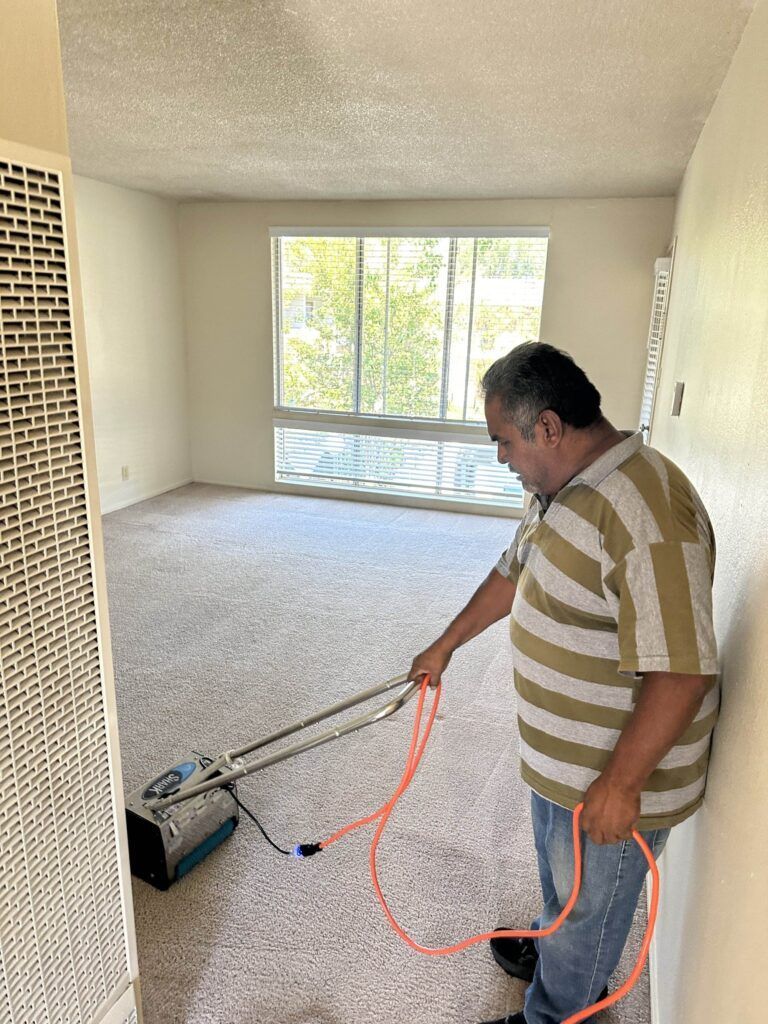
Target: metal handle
214,780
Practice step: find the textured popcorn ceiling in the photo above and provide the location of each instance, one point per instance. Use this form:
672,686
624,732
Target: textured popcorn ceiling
368,99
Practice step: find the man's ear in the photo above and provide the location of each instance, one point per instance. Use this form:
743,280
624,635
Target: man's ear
551,428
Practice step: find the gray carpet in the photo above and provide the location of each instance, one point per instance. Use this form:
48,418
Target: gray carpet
234,612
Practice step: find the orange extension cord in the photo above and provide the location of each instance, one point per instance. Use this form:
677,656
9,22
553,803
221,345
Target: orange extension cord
383,813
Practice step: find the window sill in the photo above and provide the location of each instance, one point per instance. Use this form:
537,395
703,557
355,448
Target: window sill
402,498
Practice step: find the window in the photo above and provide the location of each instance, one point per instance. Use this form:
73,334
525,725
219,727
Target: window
394,330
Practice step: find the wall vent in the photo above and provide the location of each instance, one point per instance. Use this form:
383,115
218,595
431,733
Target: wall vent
63,947
658,325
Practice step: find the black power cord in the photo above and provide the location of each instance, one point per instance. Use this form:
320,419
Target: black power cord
301,850
232,789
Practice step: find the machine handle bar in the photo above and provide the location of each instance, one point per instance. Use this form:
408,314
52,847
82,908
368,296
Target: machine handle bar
214,779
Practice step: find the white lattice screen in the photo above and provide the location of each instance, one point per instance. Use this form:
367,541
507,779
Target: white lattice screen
63,948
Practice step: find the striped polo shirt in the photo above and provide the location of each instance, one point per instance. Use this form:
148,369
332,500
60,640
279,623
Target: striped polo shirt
614,578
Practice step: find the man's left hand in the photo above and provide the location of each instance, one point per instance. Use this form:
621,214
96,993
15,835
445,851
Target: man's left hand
610,812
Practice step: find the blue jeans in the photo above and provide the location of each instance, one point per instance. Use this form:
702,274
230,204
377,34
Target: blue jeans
576,962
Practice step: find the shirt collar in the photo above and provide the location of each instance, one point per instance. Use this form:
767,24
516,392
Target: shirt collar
597,471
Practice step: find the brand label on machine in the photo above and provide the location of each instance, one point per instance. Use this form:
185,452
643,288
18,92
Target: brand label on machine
169,781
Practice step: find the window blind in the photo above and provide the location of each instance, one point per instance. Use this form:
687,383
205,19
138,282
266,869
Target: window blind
455,470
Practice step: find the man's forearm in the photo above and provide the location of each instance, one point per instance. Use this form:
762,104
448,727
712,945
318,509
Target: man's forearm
491,601
667,705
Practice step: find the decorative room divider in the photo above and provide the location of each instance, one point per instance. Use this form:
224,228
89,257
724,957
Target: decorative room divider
67,947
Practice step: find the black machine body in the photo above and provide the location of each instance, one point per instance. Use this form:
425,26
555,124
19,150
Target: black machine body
164,845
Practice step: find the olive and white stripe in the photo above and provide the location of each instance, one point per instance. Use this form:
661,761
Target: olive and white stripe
614,579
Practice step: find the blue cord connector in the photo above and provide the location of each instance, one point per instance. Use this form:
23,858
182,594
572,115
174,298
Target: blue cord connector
303,850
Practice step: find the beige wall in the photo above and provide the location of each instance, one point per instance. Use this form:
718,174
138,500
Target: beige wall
712,944
129,261
596,303
31,99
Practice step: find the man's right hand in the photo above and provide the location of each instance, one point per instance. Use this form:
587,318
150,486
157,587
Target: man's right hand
432,662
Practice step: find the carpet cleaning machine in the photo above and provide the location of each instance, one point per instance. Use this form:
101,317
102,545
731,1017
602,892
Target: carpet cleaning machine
179,817
183,814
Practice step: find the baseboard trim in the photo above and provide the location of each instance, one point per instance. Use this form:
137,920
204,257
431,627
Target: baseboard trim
116,506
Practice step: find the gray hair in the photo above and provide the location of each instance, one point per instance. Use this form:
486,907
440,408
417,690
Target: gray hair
535,376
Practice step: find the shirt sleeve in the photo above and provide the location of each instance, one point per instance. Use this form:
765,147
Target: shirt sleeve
664,593
508,564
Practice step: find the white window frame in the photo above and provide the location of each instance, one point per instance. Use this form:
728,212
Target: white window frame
416,428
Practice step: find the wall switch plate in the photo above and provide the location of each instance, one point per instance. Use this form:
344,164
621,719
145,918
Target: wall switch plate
677,397
125,472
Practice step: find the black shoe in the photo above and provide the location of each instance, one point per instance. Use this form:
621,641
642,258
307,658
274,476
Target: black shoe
519,1018
513,1018
517,957
603,995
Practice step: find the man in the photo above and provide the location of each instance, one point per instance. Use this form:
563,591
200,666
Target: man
608,582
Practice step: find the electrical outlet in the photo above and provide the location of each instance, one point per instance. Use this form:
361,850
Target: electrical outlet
125,472
677,397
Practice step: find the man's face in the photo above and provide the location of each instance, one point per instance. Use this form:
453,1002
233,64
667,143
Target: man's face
528,460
